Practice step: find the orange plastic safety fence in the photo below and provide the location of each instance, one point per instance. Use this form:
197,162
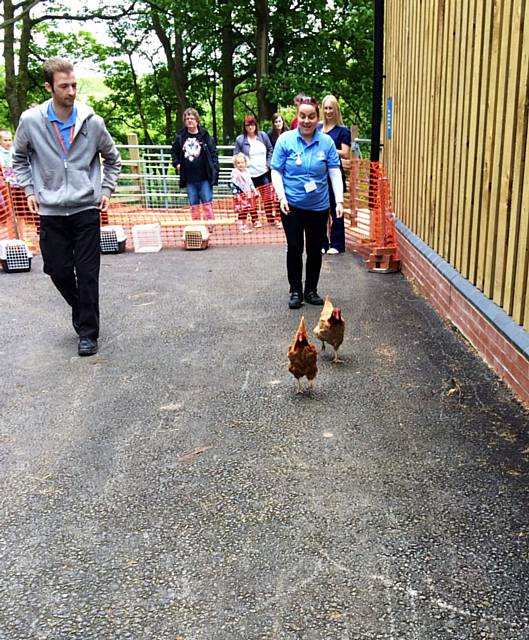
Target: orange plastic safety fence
16,221
231,220
371,231
6,217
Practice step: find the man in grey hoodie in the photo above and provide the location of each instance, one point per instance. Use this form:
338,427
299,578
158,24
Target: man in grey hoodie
56,159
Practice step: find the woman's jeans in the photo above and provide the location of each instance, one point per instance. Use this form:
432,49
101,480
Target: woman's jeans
200,193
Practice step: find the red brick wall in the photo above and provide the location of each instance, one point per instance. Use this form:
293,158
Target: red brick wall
507,361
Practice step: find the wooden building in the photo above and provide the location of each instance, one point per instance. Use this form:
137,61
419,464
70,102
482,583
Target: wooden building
456,149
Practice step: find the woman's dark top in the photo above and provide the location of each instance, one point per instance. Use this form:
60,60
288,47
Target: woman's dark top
273,135
196,153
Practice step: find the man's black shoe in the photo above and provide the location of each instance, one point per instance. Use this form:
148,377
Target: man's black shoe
87,347
295,301
313,298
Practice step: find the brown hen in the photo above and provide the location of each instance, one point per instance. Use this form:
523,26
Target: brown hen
303,356
331,327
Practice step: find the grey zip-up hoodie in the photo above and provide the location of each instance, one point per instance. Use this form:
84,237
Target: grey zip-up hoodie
61,186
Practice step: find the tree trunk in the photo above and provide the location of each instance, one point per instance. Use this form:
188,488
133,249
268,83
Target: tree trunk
9,62
212,99
168,111
17,84
169,120
175,64
279,34
23,61
265,108
228,75
139,102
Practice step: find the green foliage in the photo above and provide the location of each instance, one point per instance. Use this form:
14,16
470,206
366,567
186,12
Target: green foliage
315,47
118,107
329,50
49,40
92,88
5,121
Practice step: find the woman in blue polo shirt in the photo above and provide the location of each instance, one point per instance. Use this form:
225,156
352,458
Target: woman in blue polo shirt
304,160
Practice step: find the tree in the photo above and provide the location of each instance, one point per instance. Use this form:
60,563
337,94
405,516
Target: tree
167,22
265,107
16,84
318,48
251,57
19,29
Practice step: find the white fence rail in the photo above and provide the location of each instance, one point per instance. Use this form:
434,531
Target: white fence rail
149,180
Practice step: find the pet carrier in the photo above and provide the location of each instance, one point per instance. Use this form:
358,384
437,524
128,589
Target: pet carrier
15,256
196,237
113,239
147,238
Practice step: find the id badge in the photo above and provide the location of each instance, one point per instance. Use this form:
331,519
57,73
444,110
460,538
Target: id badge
310,186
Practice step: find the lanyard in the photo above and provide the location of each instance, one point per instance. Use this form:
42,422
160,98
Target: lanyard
304,153
61,141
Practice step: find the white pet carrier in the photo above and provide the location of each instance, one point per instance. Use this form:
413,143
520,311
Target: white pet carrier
147,238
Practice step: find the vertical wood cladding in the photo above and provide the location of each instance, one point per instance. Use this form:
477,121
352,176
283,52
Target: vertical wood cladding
458,76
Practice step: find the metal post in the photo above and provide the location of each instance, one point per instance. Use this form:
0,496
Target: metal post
378,76
164,167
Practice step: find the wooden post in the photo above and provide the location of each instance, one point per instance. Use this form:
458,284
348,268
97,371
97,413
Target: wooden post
355,149
136,166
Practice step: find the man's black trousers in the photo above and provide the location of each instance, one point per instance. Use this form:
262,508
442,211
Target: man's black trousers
70,247
309,228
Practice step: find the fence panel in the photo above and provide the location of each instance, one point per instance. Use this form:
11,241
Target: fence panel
148,193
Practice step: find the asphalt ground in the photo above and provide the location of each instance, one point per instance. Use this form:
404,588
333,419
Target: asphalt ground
175,486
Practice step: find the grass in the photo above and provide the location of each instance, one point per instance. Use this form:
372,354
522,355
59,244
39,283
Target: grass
92,87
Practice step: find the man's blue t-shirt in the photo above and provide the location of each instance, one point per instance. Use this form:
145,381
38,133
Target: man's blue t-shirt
300,163
64,127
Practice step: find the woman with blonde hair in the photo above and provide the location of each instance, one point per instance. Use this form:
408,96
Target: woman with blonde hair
334,127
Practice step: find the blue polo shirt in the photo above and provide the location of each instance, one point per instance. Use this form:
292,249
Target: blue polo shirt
300,163
340,135
64,127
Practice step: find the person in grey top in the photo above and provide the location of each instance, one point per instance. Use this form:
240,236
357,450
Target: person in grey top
56,159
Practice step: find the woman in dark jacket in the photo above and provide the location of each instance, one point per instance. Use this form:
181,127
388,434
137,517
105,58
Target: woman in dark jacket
194,155
278,127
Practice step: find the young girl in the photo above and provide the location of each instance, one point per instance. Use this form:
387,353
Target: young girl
244,192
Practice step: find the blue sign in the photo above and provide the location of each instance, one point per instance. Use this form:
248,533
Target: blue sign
389,121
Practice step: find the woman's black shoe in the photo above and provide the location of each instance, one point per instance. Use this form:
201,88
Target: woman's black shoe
295,301
313,298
